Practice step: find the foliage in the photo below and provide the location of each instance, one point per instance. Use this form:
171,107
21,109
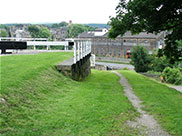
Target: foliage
158,64
3,33
172,75
58,25
75,29
173,49
140,58
178,65
41,101
99,25
151,16
39,32
2,26
44,32
164,103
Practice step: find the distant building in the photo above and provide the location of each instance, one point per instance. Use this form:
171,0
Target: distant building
103,46
59,34
19,32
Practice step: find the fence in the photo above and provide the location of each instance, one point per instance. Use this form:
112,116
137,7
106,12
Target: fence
81,49
38,42
48,44
22,39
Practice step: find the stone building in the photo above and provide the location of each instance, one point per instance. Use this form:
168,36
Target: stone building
19,32
105,47
59,34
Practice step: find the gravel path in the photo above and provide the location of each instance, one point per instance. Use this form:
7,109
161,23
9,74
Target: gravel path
145,122
178,88
115,66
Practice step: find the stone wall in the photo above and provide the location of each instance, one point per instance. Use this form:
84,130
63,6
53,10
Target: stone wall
104,47
78,71
81,69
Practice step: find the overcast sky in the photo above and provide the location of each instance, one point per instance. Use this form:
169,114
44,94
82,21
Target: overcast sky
37,11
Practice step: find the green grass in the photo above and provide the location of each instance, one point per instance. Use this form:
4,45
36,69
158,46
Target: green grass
40,101
159,100
116,62
19,68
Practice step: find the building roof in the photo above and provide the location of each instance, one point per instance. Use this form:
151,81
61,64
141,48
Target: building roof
140,35
86,35
127,35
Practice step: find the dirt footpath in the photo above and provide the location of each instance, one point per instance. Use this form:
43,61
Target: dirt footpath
145,122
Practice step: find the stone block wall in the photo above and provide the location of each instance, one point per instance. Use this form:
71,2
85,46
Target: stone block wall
81,69
78,71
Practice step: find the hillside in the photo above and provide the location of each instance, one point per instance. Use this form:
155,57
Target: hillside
37,100
40,101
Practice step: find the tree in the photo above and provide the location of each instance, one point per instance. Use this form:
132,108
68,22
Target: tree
34,31
3,33
62,24
39,32
75,29
140,59
44,32
152,16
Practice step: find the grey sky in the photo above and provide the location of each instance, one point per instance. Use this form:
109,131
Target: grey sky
79,11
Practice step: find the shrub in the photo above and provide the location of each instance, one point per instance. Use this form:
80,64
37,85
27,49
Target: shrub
158,64
140,59
172,75
155,73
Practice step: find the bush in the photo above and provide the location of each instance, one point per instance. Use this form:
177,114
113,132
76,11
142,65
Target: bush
140,59
172,75
178,65
155,73
158,64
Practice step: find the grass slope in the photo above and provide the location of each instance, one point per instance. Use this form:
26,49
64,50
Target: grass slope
19,68
48,103
163,102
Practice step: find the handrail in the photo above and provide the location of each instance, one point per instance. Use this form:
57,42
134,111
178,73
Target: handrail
81,49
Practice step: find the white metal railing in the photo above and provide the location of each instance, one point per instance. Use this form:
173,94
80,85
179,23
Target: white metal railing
81,49
22,39
48,44
38,42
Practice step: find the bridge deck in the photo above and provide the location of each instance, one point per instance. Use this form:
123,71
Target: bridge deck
66,65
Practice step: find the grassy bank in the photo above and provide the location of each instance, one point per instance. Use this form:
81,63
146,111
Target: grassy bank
159,100
41,101
18,68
